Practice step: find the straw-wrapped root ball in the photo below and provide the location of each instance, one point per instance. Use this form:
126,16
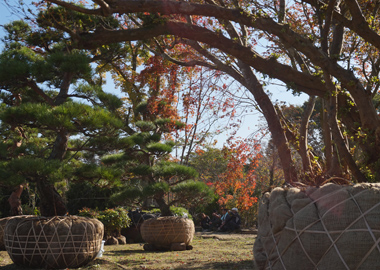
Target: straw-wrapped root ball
3,222
328,227
165,233
53,243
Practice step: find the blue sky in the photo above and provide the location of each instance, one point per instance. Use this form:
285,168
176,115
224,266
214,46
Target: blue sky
5,17
249,124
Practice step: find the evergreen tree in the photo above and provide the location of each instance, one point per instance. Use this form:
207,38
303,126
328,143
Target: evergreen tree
55,117
150,172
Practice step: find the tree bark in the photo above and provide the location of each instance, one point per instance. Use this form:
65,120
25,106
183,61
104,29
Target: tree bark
164,207
269,111
277,131
51,203
338,137
15,201
60,145
326,134
306,163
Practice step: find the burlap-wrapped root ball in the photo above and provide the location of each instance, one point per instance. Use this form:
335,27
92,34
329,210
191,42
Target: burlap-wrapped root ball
162,232
53,243
331,227
3,222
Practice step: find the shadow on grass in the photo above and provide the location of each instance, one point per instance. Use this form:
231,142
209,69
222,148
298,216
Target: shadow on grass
107,265
240,265
124,252
131,252
17,267
10,267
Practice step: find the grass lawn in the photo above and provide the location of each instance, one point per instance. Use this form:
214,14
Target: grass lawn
211,251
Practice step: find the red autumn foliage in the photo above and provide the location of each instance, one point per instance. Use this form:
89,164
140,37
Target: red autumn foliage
236,185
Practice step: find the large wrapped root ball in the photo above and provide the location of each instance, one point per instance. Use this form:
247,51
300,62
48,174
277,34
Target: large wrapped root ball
54,242
329,227
162,232
3,222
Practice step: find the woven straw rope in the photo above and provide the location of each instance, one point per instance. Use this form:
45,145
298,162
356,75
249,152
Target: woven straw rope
3,221
17,244
328,233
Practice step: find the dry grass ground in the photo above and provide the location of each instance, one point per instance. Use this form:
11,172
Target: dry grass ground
211,251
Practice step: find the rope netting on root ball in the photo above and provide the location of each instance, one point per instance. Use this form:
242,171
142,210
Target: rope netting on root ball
330,227
162,232
3,222
53,243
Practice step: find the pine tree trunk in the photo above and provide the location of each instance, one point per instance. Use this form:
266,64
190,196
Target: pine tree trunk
164,207
51,203
15,202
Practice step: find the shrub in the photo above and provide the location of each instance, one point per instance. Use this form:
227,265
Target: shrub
88,212
114,219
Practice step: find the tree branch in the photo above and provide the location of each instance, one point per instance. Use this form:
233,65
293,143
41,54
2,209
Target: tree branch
40,92
362,29
310,84
105,7
356,12
77,8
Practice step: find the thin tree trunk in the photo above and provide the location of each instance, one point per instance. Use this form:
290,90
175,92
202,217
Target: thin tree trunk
332,166
303,145
338,137
15,201
271,173
326,134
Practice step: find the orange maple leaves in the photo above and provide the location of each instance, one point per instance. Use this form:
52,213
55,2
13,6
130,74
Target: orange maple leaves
236,185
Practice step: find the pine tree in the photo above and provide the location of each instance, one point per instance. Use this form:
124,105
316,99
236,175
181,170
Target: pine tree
55,117
150,172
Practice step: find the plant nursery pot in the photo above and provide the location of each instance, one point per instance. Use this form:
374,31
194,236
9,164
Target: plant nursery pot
162,232
331,227
53,243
